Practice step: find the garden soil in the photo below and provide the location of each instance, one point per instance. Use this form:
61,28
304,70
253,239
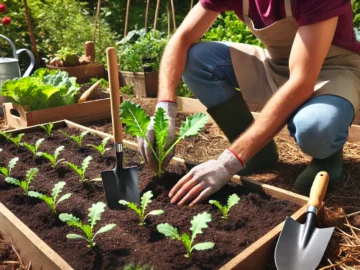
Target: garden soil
99,93
129,243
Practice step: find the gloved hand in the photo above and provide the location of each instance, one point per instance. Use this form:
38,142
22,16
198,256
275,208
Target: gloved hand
205,179
144,148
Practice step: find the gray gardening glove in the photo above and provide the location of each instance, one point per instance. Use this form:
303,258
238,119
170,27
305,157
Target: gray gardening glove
205,179
171,110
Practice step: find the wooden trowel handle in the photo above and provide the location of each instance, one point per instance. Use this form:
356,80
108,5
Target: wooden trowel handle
88,92
318,189
112,64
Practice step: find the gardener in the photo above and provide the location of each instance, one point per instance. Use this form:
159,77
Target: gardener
308,75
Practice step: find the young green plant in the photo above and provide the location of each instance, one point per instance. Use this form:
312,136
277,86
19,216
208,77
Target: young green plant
48,128
6,171
198,223
52,201
53,158
80,171
77,139
137,121
16,140
30,175
101,148
140,211
34,148
7,136
232,201
95,213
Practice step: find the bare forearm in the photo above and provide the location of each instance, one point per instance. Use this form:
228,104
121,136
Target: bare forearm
272,118
172,67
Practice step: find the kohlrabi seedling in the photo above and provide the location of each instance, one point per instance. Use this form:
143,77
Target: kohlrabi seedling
95,213
53,158
80,171
7,170
34,148
30,175
16,140
48,128
198,223
140,211
137,121
5,135
52,201
101,148
77,139
232,200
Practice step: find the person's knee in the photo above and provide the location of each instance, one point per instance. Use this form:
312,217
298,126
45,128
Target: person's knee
195,61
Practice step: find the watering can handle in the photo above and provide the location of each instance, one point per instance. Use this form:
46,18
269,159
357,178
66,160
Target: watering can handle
11,45
32,61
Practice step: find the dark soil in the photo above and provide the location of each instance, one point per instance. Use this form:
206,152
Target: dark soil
99,93
129,243
7,254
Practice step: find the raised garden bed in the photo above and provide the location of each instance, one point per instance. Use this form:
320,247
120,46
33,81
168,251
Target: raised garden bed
145,83
236,244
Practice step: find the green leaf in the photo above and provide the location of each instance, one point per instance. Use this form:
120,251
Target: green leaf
70,220
57,151
135,118
30,147
76,169
88,231
232,200
36,195
168,230
95,213
12,181
105,141
123,202
185,239
86,163
156,212
38,143
58,187
4,171
12,163
161,130
204,246
16,140
83,134
105,229
48,128
193,124
75,236
30,175
198,223
146,200
63,198
49,157
223,209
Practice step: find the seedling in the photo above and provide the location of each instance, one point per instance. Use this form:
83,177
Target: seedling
16,140
198,223
53,158
137,121
5,135
48,128
145,201
95,213
52,201
7,170
232,200
77,139
34,148
132,266
30,175
101,147
80,171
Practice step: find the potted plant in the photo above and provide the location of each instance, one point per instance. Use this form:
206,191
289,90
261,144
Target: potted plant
139,57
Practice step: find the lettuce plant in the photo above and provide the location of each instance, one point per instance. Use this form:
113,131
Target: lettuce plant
232,201
53,158
52,201
198,223
140,211
48,128
7,170
16,140
101,148
80,171
30,175
77,139
34,148
137,121
95,213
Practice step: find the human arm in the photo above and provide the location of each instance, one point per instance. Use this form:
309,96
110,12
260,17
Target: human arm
309,50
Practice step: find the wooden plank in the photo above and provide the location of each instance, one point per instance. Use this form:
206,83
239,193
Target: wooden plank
192,105
32,248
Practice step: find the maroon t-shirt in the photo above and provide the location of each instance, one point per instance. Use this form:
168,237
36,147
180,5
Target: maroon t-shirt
265,12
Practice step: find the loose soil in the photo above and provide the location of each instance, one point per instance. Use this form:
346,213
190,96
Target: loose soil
7,254
99,93
129,243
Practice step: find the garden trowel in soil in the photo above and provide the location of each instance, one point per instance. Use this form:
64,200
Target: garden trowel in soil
119,183
301,246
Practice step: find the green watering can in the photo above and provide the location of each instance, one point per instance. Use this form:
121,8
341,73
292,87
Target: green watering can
9,67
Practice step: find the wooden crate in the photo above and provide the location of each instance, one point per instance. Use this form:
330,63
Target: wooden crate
17,116
145,83
83,73
256,256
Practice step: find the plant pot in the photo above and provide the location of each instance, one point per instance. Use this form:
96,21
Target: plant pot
255,256
83,73
145,83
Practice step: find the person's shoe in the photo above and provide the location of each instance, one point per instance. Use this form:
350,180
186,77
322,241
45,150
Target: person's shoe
234,117
333,165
